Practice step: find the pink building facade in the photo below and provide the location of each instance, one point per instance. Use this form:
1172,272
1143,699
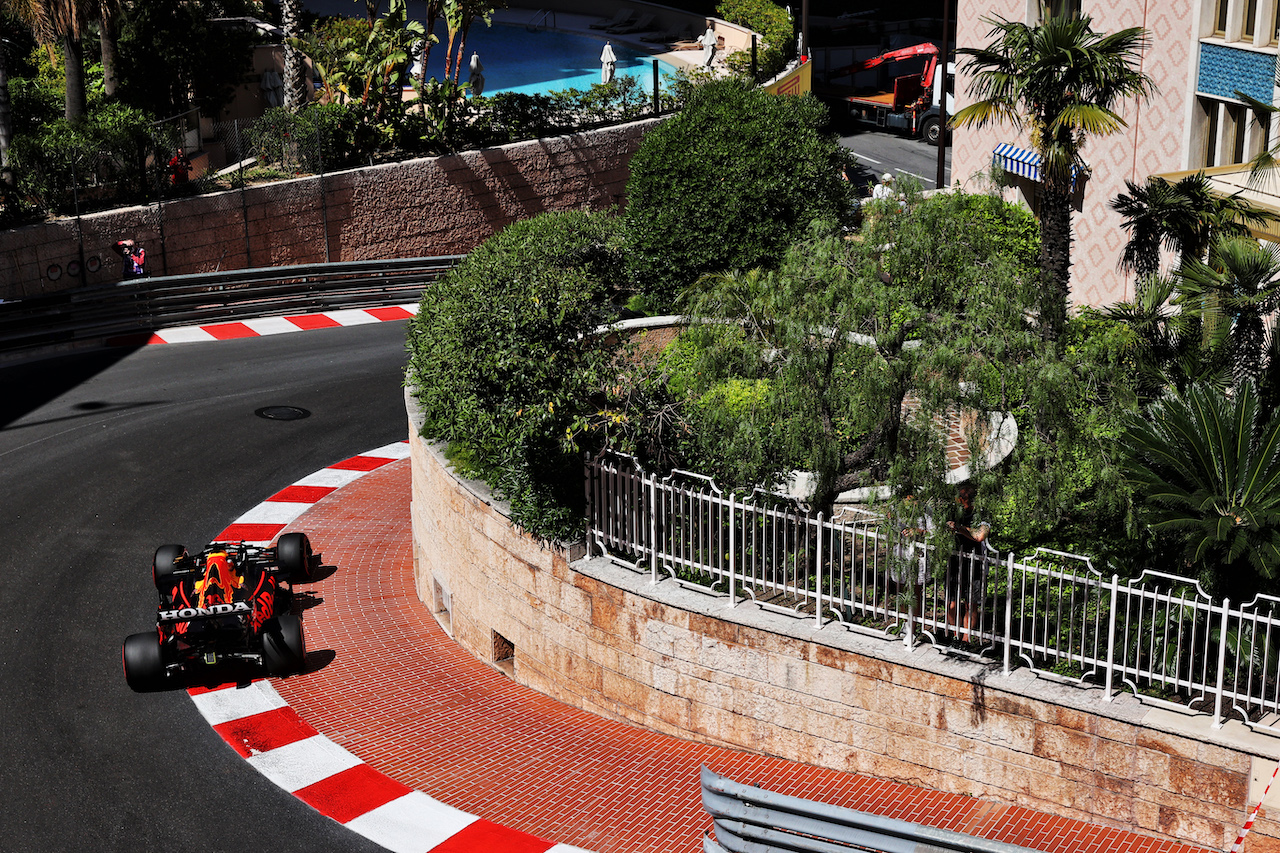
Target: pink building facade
1201,53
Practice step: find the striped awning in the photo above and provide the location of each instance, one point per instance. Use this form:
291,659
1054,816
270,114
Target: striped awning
1017,160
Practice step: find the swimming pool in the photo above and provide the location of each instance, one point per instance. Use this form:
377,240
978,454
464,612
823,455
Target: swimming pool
535,63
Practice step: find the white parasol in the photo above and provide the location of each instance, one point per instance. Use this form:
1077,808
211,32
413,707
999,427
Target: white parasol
608,64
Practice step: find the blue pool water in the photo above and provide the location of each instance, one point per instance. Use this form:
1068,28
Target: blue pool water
535,63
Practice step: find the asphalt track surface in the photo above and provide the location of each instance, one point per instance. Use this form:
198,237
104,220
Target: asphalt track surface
103,457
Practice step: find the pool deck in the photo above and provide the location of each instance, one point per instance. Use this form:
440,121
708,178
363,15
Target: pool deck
564,22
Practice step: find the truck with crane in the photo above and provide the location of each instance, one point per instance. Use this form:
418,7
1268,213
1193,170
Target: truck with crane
912,106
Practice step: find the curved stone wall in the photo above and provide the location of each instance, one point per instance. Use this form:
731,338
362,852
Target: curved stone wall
416,208
603,638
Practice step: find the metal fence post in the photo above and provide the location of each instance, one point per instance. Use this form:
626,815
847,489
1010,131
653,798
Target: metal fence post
1008,618
1222,664
653,525
1108,689
324,205
733,545
586,488
818,576
244,204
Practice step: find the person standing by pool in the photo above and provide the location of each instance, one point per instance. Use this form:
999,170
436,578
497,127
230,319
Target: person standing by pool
476,78
608,64
708,42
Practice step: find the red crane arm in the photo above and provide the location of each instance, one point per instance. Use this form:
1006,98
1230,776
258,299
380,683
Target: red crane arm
926,49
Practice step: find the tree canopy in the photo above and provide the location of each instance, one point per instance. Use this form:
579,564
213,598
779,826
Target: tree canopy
728,183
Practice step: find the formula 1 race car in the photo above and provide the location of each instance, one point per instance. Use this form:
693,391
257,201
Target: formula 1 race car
231,602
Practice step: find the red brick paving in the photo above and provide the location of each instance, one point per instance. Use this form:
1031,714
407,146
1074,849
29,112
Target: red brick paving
396,691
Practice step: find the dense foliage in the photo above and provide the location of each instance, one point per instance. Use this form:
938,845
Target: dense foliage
931,306
502,360
1208,467
729,183
775,27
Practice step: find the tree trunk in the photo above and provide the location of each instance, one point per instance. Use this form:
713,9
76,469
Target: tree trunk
7,178
295,93
109,36
1055,262
73,52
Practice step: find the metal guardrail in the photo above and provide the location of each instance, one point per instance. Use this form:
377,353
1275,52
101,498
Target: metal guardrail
140,306
748,819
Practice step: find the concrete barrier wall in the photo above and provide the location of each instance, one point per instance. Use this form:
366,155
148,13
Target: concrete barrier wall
435,206
605,639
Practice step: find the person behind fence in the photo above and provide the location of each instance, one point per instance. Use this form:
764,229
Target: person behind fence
134,258
179,168
911,552
966,568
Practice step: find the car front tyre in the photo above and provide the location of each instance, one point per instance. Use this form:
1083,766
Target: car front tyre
293,554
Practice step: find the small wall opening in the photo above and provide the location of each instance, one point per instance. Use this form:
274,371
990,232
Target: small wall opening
442,604
504,654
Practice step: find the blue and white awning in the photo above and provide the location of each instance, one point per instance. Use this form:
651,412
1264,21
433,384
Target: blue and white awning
1017,160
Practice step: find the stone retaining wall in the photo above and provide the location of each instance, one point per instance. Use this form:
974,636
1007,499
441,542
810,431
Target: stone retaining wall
603,638
436,206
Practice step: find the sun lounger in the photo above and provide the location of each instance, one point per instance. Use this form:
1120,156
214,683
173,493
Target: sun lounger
643,23
622,18
669,36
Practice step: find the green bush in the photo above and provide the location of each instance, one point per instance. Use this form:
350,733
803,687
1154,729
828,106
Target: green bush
729,183
319,137
775,27
502,360
103,157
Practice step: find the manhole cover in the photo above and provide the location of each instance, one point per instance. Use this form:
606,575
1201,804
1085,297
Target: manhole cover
282,413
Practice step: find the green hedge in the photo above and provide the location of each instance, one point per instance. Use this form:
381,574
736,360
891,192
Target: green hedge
729,183
502,360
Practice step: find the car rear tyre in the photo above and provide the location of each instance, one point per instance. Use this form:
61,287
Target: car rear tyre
143,662
164,564
284,649
931,131
293,553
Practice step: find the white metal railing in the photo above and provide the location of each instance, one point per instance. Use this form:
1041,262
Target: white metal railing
1158,635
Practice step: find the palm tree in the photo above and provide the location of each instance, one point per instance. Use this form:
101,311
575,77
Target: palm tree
1185,217
66,22
295,93
1241,281
1156,216
1208,466
1060,81
1167,348
7,179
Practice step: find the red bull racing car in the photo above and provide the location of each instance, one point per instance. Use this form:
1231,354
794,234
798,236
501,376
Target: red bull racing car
229,603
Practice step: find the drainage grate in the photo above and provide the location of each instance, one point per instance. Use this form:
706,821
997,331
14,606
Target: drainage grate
282,413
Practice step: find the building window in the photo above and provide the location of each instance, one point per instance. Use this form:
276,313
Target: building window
1239,131
1220,20
1211,134
1233,133
1275,28
1250,13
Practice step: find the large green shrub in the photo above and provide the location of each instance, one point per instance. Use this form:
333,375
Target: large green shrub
502,360
728,183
